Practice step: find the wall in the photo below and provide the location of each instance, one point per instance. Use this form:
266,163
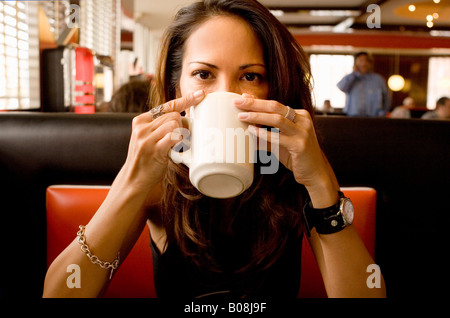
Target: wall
375,40
415,71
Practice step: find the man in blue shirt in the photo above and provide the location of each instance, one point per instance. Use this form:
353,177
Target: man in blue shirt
366,91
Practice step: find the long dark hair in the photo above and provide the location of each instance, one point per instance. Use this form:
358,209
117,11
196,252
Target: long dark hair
273,204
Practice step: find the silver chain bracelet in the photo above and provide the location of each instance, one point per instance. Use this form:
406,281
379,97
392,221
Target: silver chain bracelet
93,258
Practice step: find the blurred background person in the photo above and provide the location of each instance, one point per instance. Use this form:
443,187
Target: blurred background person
442,111
132,97
327,108
404,111
366,92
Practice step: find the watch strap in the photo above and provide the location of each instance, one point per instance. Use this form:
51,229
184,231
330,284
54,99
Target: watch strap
327,220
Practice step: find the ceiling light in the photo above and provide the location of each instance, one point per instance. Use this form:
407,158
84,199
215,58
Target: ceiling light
436,15
396,82
412,8
430,24
436,1
429,18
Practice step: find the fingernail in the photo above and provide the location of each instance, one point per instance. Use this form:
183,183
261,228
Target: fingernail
239,101
199,93
243,116
252,129
245,95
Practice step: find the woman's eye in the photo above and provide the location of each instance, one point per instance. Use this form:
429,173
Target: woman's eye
251,77
203,75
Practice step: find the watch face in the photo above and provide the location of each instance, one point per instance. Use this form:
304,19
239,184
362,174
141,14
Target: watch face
348,211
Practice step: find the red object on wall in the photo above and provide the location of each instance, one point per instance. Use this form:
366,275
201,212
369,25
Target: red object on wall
85,99
84,65
88,88
84,109
85,76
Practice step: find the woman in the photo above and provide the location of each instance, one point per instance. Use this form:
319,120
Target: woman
245,246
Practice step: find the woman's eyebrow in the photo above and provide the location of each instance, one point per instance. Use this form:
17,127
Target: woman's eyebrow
243,67
204,63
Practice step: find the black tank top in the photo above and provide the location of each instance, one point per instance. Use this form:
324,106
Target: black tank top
176,277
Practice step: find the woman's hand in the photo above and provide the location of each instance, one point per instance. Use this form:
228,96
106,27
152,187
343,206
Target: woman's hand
299,149
152,137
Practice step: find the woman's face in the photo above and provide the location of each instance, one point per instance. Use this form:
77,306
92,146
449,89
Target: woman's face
223,54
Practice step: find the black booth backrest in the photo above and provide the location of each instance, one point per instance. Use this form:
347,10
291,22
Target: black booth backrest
65,143
38,150
406,161
387,151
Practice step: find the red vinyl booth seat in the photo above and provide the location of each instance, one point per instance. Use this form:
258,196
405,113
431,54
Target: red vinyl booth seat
71,206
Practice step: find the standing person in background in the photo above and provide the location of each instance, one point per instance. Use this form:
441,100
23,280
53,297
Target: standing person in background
366,91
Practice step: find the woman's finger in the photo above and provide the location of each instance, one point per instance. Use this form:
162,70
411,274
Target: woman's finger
177,105
271,137
269,119
161,131
260,105
250,104
180,104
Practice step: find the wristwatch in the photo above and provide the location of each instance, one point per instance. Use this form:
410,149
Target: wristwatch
329,220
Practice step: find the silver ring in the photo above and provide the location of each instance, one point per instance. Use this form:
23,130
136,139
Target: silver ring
290,114
157,111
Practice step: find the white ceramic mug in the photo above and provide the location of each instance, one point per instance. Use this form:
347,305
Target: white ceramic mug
221,156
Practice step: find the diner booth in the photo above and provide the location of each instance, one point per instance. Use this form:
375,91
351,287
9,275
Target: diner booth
60,150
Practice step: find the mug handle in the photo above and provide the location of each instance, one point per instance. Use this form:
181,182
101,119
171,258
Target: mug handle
185,156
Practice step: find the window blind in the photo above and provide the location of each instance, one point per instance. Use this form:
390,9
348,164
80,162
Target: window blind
100,26
57,13
19,55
